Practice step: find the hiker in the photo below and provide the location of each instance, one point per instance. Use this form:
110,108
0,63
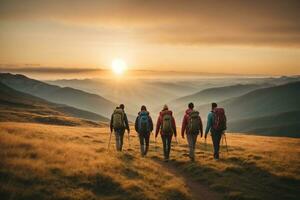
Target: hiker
119,123
167,127
216,124
191,125
144,126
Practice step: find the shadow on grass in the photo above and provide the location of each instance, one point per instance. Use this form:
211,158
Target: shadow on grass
58,185
174,194
242,179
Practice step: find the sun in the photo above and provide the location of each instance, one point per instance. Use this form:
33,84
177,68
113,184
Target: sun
118,66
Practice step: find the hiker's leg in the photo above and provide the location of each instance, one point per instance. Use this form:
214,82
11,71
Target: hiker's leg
117,136
121,138
216,137
214,140
218,140
141,137
190,143
164,141
147,139
169,141
194,141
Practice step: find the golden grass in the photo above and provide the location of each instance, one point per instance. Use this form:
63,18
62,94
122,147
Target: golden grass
42,161
256,167
46,161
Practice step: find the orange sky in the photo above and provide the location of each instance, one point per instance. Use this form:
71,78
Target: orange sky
245,37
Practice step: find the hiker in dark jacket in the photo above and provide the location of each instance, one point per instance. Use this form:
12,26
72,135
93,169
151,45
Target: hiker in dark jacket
216,135
119,123
167,127
192,126
144,126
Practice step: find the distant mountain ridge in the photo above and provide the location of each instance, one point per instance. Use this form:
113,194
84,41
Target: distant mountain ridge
19,106
62,95
274,125
255,107
216,94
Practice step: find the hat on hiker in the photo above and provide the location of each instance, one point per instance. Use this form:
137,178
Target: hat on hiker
165,107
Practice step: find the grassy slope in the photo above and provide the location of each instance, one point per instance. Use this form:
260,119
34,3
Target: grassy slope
19,106
55,162
287,122
256,167
65,95
42,161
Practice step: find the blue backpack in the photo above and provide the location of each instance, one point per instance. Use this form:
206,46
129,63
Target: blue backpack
143,122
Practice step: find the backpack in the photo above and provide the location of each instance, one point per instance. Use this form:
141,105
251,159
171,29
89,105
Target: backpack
118,119
219,123
194,122
143,123
167,124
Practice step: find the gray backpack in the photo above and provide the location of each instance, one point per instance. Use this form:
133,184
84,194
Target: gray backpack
194,123
167,124
118,119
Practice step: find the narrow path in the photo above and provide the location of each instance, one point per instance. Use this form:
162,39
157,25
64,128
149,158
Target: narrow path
197,190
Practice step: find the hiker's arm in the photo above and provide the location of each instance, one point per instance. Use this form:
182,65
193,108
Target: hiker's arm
157,126
151,124
209,123
126,122
136,124
201,126
183,127
111,123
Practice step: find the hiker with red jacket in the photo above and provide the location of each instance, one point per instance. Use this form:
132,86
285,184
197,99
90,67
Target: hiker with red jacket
192,126
119,123
167,127
144,126
216,124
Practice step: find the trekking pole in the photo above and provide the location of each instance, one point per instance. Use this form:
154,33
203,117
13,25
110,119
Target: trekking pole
205,147
155,144
222,145
109,140
176,140
128,139
226,143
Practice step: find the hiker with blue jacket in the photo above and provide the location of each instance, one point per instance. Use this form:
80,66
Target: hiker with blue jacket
144,126
216,124
119,123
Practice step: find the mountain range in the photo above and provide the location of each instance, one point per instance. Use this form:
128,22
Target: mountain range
22,107
62,95
267,108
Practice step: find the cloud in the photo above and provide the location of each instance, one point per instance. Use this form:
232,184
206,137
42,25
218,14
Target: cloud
44,69
231,22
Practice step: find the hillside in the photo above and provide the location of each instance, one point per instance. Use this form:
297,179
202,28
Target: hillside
262,102
218,94
258,104
19,106
62,95
287,123
59,162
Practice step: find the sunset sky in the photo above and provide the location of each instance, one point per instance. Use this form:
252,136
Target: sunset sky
245,37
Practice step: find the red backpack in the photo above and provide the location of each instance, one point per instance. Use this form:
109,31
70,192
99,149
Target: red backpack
219,123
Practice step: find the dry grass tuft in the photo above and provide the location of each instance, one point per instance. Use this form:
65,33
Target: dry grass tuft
57,162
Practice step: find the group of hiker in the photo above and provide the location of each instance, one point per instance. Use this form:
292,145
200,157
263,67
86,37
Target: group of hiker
191,127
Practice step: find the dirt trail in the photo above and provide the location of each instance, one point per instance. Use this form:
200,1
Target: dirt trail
197,190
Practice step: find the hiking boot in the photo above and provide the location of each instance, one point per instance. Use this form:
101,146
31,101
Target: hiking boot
192,158
216,157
